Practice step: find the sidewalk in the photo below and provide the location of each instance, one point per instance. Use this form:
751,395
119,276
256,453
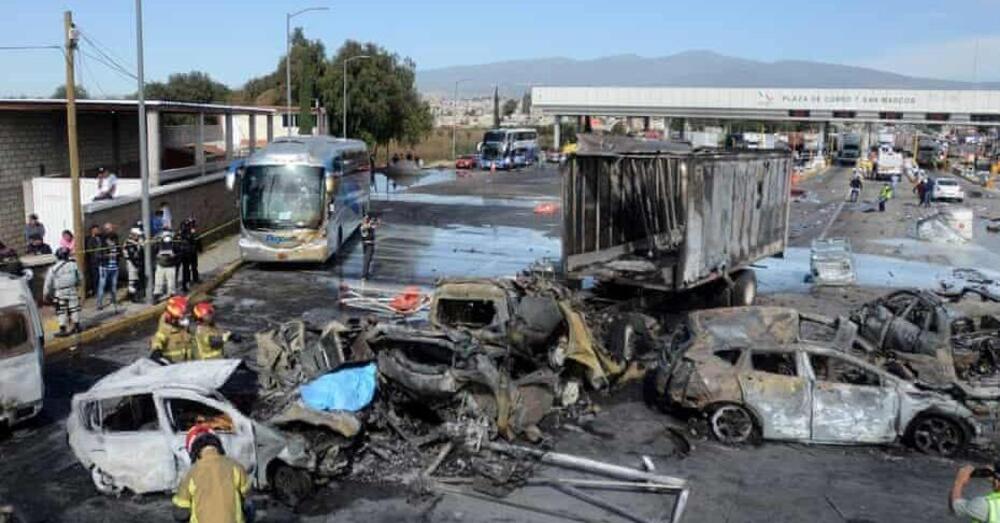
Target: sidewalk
215,265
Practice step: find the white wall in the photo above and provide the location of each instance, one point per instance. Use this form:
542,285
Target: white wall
49,198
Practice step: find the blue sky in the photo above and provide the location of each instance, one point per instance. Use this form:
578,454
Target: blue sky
234,40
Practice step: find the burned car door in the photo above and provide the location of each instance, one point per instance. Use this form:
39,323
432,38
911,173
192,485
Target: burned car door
774,386
851,403
184,409
124,438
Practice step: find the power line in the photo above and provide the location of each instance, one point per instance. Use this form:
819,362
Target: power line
114,67
105,49
106,55
93,76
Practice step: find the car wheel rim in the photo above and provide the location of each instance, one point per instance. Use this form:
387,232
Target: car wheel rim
937,436
732,424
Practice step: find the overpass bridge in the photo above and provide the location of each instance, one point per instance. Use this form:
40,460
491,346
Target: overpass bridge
870,106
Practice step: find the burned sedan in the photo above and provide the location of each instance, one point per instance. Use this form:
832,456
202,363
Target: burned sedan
128,430
748,371
934,340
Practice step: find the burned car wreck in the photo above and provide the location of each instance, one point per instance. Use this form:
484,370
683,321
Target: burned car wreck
936,340
507,350
128,430
750,372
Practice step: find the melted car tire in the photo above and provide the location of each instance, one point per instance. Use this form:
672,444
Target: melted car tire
290,485
733,424
936,434
104,487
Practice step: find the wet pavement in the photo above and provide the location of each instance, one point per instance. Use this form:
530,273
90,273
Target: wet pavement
478,224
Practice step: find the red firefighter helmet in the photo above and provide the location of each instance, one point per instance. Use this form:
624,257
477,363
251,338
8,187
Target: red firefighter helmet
177,306
203,310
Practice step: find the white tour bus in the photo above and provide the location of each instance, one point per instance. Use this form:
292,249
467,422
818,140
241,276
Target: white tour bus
300,197
508,148
21,352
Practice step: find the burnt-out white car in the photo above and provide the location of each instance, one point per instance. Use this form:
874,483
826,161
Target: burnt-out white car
748,370
129,430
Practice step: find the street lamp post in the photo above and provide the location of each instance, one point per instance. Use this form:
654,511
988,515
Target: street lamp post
359,57
454,123
288,61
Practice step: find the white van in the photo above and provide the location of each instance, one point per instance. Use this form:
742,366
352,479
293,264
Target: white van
21,353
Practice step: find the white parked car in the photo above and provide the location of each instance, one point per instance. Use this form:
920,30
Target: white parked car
129,430
947,189
21,385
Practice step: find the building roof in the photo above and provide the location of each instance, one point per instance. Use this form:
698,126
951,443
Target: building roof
53,104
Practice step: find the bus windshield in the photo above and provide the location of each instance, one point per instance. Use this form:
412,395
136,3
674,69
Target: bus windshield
495,136
282,197
490,151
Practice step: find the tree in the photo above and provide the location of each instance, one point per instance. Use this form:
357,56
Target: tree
60,93
526,103
509,106
195,87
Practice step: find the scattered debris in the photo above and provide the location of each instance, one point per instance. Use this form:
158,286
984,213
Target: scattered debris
949,225
547,208
831,262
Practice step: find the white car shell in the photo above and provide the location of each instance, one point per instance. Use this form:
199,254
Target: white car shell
947,189
21,354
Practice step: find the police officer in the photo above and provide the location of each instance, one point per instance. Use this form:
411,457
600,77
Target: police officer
165,282
209,339
216,487
172,339
134,265
368,226
60,286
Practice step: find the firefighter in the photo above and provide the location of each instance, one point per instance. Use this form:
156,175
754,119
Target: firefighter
134,265
172,339
60,287
209,339
215,488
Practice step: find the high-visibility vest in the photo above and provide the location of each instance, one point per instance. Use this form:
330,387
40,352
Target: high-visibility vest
993,503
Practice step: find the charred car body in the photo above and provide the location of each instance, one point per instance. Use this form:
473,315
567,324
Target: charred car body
128,430
934,340
751,373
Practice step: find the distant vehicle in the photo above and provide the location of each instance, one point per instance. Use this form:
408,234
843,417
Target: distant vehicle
928,152
21,352
467,161
508,148
850,149
890,163
301,197
554,156
947,189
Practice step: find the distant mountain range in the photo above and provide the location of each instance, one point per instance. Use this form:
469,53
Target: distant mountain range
687,69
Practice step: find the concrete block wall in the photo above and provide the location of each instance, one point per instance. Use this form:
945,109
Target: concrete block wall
33,143
206,199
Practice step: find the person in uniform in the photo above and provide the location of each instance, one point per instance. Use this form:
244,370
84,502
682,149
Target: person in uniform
172,340
368,226
60,287
209,339
216,487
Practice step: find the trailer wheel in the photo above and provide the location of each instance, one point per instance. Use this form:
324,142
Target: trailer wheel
744,289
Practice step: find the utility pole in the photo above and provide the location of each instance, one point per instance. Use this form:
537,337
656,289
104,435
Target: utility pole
71,142
147,251
454,123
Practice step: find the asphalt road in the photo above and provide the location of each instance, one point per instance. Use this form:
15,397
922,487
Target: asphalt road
483,225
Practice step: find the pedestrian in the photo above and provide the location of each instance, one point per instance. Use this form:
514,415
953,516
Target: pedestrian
166,217
37,246
982,508
66,241
9,261
215,488
108,274
188,253
60,288
135,266
368,226
33,228
172,339
208,338
921,189
929,192
165,282
156,223
92,254
884,196
856,186
107,184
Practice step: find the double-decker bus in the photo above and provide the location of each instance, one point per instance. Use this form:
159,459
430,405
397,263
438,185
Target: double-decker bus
508,148
301,197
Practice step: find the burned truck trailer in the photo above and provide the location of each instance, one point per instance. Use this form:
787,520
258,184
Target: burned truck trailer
662,216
